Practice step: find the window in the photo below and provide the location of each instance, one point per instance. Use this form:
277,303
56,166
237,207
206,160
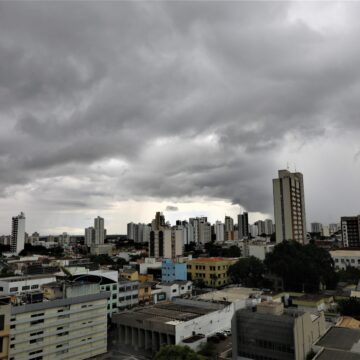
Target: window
2,319
37,315
36,333
34,287
121,298
63,333
114,296
135,297
1,288
36,322
26,287
35,352
114,287
122,289
13,289
128,297
173,290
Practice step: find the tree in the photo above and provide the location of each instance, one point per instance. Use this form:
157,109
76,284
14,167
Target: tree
350,275
350,307
199,283
177,352
302,267
103,259
208,350
248,271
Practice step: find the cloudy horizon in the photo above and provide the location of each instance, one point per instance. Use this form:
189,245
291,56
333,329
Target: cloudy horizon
121,109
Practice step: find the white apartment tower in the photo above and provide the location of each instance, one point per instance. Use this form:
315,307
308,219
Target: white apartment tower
289,207
99,230
18,233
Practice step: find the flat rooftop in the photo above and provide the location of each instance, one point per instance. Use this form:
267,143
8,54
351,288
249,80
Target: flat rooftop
328,354
168,312
340,338
211,259
230,294
27,277
345,253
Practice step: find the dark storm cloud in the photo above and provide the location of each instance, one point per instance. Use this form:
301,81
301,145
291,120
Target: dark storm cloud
171,208
165,99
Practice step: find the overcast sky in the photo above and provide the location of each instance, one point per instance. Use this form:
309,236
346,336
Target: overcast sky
120,109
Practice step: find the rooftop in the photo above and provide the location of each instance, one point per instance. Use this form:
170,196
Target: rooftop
211,259
230,294
170,313
345,253
328,354
340,338
24,278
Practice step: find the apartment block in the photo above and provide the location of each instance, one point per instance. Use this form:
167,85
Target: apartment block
350,231
289,207
213,270
15,285
73,328
172,270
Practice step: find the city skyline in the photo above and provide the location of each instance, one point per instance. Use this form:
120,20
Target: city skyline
126,108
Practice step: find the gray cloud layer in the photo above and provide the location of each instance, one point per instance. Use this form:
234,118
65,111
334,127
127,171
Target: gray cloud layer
108,101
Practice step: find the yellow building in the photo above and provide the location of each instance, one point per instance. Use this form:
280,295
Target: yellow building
146,277
130,274
144,293
213,270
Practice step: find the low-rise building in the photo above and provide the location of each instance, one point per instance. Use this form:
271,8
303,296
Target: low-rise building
172,323
128,294
345,258
172,270
271,332
213,270
260,248
176,289
15,285
70,328
130,274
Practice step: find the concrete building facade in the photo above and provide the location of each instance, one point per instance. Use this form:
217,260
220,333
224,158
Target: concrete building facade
17,233
289,207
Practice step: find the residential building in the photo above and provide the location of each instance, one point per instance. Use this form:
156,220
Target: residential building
259,249
201,229
99,230
333,228
5,314
172,270
18,233
70,328
16,285
289,207
346,258
260,224
350,231
180,322
243,226
166,243
269,227
159,222
271,332
177,288
128,294
316,227
138,232
213,270
129,273
229,228
89,236
107,279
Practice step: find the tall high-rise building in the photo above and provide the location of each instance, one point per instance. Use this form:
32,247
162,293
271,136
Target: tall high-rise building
289,207
229,228
260,227
268,227
89,236
219,230
159,222
350,231
166,243
316,227
201,230
18,233
99,230
243,226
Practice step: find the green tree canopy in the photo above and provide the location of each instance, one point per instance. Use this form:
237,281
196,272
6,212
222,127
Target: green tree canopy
177,352
350,307
247,271
302,267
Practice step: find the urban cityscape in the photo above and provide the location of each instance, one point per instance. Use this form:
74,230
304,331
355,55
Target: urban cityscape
179,180
218,290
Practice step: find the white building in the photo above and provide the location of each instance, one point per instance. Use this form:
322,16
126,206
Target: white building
166,243
15,285
73,328
99,230
345,258
176,288
269,227
316,227
219,231
128,294
259,249
18,233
